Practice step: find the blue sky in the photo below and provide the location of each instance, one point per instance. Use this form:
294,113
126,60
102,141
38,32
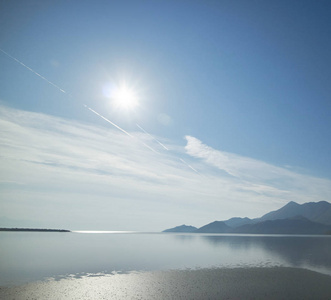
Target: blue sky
239,90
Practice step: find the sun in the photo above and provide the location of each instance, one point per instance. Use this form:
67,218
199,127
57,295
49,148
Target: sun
125,97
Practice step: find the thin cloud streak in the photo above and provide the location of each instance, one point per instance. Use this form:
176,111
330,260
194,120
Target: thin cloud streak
102,117
63,91
142,129
184,162
33,71
121,129
98,114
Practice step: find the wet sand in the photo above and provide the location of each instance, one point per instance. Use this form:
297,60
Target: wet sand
251,283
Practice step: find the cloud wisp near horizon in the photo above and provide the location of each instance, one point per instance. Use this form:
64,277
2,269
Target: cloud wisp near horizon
64,173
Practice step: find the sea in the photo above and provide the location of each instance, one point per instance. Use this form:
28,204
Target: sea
32,256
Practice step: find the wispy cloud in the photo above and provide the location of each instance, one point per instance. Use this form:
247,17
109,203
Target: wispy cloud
260,177
64,173
61,159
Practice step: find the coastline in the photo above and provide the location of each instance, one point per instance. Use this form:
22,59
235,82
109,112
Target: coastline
215,283
33,230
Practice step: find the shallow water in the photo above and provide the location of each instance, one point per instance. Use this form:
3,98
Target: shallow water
30,256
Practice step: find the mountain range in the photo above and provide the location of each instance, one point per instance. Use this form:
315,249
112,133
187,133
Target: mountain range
293,218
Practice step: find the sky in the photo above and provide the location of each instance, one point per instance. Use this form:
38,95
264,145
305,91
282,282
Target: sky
231,112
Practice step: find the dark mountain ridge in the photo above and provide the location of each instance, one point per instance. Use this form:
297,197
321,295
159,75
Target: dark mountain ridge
295,225
319,212
293,218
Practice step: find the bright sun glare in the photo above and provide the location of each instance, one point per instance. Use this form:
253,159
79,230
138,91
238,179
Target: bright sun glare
125,97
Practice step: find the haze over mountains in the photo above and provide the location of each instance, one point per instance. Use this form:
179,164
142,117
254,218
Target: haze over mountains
293,218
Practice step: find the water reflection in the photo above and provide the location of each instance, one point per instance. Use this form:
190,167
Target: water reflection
32,256
313,252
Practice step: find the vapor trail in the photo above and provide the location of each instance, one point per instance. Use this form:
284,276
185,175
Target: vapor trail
183,161
152,137
63,91
119,128
33,71
101,116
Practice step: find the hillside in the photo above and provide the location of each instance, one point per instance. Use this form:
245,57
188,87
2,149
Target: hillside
214,227
295,225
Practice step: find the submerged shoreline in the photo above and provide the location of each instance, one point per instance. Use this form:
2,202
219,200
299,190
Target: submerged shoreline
215,283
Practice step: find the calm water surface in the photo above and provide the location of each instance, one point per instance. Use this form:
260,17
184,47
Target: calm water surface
30,256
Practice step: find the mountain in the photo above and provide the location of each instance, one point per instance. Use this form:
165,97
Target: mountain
214,227
236,222
319,212
293,218
287,211
294,225
182,228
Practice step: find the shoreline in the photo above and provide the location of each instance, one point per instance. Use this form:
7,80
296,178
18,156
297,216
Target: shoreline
215,283
33,230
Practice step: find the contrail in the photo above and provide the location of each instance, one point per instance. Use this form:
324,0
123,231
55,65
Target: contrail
183,161
63,91
33,71
152,137
90,109
101,116
121,129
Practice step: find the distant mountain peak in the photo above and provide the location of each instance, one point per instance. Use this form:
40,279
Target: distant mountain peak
292,203
319,212
236,222
181,228
215,227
